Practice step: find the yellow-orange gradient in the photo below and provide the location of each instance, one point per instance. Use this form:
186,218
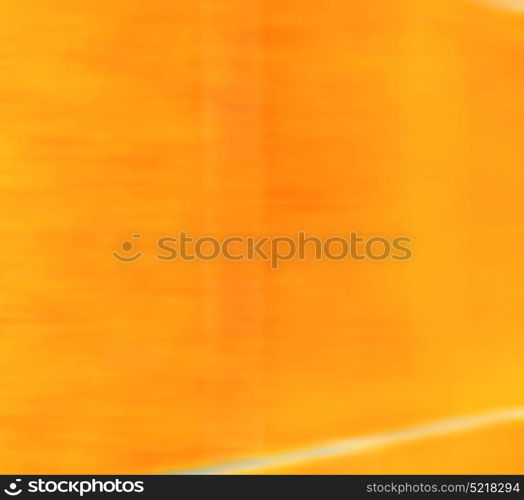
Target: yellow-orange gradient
254,117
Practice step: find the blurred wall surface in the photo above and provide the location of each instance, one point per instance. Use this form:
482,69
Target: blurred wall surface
258,117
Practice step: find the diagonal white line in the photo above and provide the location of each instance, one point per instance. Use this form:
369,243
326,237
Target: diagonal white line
353,446
514,5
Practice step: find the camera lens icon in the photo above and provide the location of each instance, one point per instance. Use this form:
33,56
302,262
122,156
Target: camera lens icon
13,488
127,251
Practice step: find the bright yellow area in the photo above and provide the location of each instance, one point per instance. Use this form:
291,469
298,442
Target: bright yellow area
257,117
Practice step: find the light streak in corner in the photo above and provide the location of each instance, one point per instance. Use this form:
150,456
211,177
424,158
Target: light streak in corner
512,5
356,445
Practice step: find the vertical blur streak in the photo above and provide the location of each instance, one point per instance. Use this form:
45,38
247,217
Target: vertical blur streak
233,296
224,118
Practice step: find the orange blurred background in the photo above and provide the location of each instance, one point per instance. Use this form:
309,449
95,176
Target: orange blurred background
258,117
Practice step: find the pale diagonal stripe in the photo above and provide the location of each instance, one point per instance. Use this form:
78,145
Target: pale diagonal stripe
353,446
514,5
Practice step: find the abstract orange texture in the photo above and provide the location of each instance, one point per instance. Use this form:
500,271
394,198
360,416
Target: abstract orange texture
259,117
